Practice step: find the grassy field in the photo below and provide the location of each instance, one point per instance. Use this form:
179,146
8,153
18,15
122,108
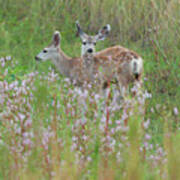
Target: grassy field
50,129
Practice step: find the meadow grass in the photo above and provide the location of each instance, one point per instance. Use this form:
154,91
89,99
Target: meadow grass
49,129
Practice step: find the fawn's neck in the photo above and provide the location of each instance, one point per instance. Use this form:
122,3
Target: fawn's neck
62,63
88,65
67,66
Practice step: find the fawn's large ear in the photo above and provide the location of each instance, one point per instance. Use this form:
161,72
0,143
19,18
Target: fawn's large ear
103,33
56,38
80,32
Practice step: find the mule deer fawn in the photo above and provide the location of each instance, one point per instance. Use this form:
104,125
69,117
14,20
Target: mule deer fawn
127,65
67,66
88,47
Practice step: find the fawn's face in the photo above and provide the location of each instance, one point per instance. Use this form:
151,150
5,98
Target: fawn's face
89,42
50,51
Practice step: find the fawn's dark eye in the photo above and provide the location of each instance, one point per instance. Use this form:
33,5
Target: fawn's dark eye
84,43
44,51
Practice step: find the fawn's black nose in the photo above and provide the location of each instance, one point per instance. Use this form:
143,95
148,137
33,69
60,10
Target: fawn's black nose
37,59
90,50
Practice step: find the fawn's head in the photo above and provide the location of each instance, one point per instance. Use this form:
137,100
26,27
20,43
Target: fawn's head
89,42
51,51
